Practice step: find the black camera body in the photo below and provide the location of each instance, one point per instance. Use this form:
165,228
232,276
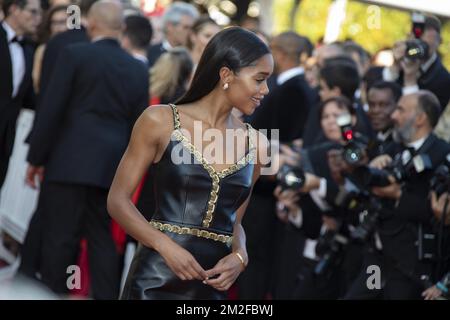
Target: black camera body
416,49
366,177
440,182
329,248
291,177
355,144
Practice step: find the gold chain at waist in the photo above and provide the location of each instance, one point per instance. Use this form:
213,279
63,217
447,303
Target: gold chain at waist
192,231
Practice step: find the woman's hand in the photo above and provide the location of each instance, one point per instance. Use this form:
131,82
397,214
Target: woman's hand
182,262
227,270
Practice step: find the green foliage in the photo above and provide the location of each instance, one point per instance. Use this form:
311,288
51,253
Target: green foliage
361,24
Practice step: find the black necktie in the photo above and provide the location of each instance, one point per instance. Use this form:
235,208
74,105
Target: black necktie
17,40
411,150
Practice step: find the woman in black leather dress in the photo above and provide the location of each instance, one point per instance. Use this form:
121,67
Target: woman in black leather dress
194,245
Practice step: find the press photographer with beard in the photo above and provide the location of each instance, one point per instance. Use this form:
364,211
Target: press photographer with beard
399,226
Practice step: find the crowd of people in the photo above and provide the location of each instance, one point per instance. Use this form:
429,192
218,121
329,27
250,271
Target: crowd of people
372,191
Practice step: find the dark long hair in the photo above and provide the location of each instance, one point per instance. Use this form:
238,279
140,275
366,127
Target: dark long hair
44,30
234,48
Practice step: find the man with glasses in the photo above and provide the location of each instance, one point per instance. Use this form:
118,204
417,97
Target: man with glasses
177,23
22,17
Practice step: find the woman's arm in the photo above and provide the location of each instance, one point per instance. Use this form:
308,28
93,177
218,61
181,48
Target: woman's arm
144,146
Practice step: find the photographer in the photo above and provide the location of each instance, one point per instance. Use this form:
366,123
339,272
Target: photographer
417,63
402,224
440,197
382,98
285,108
338,77
441,213
307,206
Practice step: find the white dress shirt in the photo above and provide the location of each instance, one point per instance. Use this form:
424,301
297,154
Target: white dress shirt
141,58
17,59
166,45
406,155
288,74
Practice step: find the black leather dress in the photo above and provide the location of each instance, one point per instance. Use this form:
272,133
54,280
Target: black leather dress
195,206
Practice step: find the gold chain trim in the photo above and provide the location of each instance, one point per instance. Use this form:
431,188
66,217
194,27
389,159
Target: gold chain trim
215,176
192,231
176,117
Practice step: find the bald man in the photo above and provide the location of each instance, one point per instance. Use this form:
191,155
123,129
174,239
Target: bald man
406,218
96,93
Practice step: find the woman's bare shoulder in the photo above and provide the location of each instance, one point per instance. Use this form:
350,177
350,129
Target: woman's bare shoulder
158,116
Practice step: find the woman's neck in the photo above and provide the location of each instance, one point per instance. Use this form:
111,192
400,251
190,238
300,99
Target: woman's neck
216,110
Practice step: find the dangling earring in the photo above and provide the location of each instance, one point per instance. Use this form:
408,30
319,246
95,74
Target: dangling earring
225,86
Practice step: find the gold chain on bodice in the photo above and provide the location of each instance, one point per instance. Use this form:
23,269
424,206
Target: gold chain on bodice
192,231
215,175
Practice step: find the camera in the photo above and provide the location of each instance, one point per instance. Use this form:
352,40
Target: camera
330,247
355,144
291,177
366,177
416,49
418,24
440,182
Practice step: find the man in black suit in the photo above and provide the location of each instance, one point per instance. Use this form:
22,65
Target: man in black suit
30,251
403,222
177,23
59,42
96,93
21,17
136,37
285,108
429,74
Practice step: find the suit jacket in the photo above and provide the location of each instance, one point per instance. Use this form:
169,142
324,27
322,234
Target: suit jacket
54,48
94,96
285,108
10,107
437,80
154,52
399,226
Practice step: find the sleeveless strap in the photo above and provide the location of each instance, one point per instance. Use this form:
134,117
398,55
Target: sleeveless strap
250,137
176,116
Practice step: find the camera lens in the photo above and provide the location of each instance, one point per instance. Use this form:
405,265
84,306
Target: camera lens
353,154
